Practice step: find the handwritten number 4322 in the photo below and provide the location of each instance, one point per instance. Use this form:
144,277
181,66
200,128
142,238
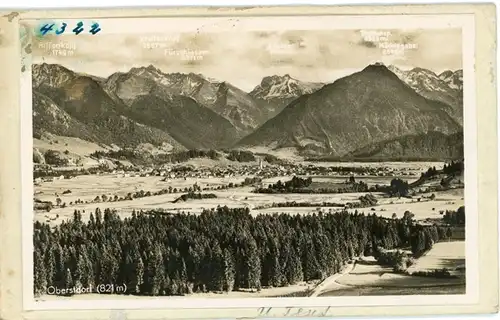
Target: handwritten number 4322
46,28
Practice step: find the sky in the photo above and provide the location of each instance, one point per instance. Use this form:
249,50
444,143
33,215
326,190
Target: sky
244,58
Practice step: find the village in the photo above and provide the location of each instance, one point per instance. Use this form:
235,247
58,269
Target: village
46,173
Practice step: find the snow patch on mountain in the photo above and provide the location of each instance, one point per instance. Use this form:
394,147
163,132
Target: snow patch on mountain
445,87
283,87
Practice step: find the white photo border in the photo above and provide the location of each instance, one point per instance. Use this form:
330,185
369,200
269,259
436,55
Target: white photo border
13,282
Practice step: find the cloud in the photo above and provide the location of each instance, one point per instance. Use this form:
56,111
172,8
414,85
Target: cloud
244,58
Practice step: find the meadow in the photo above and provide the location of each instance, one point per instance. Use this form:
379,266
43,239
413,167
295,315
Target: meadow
86,187
370,278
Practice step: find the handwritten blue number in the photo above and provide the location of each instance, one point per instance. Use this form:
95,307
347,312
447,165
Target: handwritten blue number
63,28
95,28
79,28
46,28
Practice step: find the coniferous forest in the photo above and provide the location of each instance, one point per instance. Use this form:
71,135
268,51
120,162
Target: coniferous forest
218,250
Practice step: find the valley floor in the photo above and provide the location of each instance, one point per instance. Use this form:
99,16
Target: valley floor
86,188
365,277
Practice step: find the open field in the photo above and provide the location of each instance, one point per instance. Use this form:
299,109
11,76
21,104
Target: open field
369,278
76,148
87,187
449,255
244,197
373,275
423,210
90,186
396,291
385,206
73,145
237,197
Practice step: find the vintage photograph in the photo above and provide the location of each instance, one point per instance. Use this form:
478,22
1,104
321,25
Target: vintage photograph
232,159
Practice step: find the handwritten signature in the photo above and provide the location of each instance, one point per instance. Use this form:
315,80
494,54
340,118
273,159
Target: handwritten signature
293,312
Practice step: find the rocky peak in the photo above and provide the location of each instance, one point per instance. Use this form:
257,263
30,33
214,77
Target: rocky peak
378,67
52,75
282,87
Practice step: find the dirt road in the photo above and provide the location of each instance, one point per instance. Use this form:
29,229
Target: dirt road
331,280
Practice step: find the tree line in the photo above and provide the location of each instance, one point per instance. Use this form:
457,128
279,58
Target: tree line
454,167
295,204
44,171
302,185
141,158
450,169
138,157
241,156
456,218
221,249
195,196
272,159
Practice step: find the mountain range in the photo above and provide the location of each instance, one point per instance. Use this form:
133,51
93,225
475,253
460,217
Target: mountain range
221,97
366,107
187,111
446,87
69,104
